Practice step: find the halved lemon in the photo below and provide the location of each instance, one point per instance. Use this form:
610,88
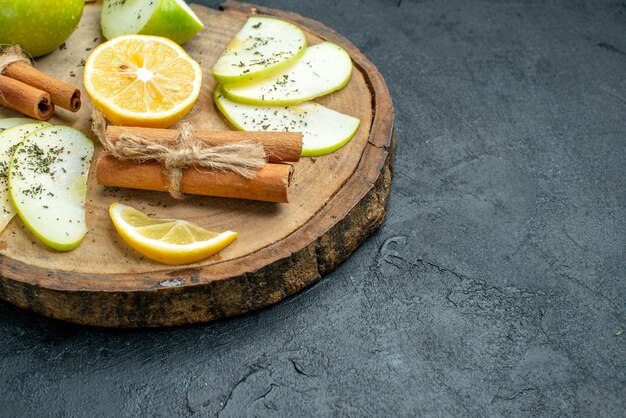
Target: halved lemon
140,80
169,241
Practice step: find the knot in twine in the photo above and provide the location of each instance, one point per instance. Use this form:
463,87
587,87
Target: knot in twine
10,55
243,158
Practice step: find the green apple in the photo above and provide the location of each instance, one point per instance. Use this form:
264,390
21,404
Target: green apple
48,184
171,19
10,138
7,123
263,46
322,69
323,130
39,27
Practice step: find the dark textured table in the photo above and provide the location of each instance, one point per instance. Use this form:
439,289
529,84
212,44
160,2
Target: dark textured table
496,287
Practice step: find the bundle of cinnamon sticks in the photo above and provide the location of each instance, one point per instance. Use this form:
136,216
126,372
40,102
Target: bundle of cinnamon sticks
30,91
270,183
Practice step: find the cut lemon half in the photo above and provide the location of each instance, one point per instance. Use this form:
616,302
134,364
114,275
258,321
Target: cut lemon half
168,241
141,80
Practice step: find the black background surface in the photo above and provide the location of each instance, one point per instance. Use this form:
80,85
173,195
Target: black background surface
496,286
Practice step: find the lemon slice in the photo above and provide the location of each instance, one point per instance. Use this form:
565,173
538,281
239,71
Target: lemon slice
169,241
140,80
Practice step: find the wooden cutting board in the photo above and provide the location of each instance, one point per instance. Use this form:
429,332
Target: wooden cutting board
337,201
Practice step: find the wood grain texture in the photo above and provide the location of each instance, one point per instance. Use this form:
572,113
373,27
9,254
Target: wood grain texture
337,201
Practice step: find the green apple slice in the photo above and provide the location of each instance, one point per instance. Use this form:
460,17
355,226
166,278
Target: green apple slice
322,69
323,130
48,184
171,19
11,122
10,138
262,47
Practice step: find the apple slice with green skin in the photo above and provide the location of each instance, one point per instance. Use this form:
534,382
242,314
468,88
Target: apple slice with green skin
322,69
11,122
323,130
263,46
171,19
10,138
48,184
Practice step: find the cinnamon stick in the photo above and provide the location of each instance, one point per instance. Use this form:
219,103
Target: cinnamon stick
25,99
279,146
270,185
62,94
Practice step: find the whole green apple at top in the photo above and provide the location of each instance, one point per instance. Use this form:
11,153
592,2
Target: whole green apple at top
38,26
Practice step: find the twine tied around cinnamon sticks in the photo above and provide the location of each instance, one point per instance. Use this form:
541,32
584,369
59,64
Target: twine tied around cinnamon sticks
30,91
10,55
242,158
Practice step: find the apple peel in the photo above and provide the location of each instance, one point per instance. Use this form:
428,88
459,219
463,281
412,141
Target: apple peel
10,138
323,69
323,130
171,19
264,46
48,184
